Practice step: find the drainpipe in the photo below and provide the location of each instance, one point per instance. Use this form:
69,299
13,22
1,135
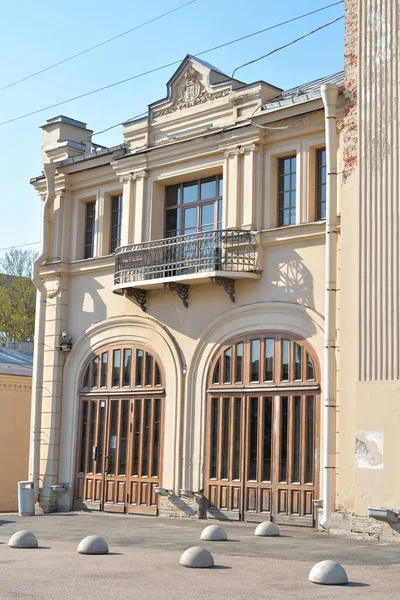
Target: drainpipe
40,318
329,96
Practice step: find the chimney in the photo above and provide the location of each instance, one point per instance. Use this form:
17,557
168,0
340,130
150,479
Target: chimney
64,137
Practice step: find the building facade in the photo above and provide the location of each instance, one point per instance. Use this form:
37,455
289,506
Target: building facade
181,300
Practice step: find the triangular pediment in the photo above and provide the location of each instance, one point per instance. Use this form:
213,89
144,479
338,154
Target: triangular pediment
194,82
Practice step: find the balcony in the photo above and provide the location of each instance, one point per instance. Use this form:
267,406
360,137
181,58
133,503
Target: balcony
176,262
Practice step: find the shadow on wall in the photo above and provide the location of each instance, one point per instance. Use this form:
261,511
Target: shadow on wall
93,308
294,279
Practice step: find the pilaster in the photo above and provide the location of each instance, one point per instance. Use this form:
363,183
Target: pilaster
141,218
232,186
127,209
249,201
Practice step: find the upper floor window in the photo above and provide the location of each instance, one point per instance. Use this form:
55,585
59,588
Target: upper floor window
193,206
89,229
321,184
116,219
287,191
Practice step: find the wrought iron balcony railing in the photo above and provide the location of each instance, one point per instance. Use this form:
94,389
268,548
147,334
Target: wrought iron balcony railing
229,250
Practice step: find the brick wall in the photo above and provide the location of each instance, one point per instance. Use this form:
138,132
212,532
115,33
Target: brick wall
350,133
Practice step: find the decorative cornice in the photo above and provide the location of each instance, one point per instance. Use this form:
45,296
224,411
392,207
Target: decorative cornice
14,387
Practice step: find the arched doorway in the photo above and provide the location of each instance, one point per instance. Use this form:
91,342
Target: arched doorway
262,430
120,434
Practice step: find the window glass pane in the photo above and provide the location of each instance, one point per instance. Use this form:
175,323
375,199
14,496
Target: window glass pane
136,438
123,438
172,221
92,436
149,369
220,186
158,375
225,441
190,192
100,440
310,368
214,438
116,368
219,223
112,447
146,438
156,439
297,362
269,360
215,378
239,364
86,378
208,188
255,360
284,439
287,191
104,364
321,184
296,440
267,449
190,220
227,365
285,360
310,440
253,439
89,229
116,220
83,437
127,367
173,193
237,440
95,372
139,367
207,217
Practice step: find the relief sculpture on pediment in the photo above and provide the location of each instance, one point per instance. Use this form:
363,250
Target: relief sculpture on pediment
193,93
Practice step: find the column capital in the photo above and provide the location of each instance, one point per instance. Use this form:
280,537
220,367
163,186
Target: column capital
231,152
126,177
248,149
140,174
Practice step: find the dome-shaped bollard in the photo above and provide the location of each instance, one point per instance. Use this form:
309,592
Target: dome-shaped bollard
214,533
23,539
197,558
267,529
328,572
93,545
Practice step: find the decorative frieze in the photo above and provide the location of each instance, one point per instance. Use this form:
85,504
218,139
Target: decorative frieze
14,387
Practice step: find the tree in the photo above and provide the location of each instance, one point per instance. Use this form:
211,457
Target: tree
17,296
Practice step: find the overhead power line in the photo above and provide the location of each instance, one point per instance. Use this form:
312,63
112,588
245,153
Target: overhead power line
286,45
20,246
115,37
170,64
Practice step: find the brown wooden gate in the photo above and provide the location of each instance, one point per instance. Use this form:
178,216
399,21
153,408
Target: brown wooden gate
120,437
262,459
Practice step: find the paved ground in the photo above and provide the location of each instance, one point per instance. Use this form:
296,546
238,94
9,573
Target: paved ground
144,562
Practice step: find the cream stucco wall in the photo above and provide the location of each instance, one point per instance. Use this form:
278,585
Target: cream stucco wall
15,403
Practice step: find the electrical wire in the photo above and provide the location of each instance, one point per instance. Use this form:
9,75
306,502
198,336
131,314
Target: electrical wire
286,45
61,62
170,64
20,246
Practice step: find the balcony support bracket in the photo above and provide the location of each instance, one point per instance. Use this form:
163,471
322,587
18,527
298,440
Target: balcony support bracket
139,295
182,290
228,284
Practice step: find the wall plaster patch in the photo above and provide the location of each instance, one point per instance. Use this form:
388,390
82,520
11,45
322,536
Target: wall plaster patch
369,449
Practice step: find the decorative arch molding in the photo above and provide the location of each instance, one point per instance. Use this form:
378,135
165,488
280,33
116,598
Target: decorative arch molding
125,329
263,316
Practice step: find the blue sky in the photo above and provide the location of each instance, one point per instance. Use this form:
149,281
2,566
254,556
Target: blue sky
37,34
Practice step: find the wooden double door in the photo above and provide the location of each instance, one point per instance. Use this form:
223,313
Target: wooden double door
261,460
119,457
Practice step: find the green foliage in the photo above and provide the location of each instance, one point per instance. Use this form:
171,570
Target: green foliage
17,296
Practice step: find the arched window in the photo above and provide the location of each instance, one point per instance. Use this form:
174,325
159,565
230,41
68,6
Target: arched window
263,359
128,367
